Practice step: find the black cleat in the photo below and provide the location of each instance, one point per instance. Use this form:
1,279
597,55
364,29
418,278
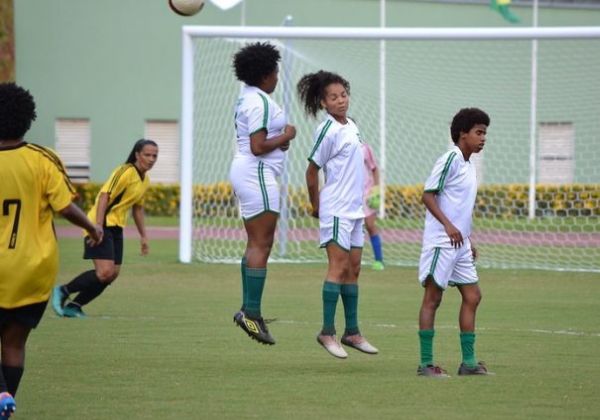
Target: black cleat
255,328
479,369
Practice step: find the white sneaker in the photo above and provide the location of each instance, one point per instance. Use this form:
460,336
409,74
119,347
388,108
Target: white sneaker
362,345
330,344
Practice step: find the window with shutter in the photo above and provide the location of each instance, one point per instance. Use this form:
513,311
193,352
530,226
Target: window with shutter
556,154
73,146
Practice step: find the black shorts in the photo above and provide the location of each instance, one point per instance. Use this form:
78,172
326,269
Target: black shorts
28,315
111,247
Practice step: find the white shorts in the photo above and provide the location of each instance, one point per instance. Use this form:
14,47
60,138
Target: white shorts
255,186
448,266
347,233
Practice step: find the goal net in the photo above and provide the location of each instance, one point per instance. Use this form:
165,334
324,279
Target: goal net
538,203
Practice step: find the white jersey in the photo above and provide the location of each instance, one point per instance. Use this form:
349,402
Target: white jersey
338,150
255,111
455,183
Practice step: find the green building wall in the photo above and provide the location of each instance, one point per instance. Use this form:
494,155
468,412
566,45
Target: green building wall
118,62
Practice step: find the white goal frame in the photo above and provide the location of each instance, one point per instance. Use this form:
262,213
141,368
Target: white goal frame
375,33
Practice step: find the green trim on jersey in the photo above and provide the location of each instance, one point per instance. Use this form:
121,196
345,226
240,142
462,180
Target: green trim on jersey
314,163
436,255
320,139
336,228
266,110
263,186
260,214
445,171
331,241
256,131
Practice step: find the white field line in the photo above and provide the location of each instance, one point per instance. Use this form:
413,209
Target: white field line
453,327
376,325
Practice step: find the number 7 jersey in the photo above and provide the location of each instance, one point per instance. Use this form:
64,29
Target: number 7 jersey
34,184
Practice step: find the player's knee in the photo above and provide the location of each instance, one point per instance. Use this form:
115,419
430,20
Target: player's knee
356,271
106,275
434,301
473,299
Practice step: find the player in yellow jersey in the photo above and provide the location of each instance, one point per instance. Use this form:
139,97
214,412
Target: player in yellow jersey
123,191
34,186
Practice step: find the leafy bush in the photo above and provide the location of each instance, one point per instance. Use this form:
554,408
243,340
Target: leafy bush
503,201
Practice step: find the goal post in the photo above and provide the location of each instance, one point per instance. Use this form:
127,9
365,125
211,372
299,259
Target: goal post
428,74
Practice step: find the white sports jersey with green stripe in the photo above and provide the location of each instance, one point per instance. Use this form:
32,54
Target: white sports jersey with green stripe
254,177
454,182
338,150
255,111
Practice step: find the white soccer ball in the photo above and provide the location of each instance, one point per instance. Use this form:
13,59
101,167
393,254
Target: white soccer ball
186,7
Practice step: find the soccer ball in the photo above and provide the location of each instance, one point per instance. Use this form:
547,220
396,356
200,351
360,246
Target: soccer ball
186,7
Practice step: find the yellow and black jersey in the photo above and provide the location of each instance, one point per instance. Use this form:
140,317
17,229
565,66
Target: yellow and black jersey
125,188
34,184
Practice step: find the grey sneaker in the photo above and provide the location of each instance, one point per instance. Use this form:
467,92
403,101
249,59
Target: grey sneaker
479,369
433,371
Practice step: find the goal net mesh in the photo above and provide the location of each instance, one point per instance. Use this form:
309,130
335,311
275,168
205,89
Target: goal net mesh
426,83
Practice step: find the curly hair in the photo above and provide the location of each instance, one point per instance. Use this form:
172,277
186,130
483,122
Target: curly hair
254,62
465,120
17,111
311,89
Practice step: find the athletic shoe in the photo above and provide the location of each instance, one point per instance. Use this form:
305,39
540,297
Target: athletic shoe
255,328
7,405
332,346
59,298
479,369
73,311
378,266
433,371
362,345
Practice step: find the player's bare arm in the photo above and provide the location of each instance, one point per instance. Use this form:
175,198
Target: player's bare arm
312,184
138,216
76,216
259,144
102,206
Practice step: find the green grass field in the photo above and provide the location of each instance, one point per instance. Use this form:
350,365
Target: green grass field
160,343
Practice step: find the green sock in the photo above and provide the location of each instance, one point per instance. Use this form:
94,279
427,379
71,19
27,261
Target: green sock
467,345
349,294
331,293
426,340
255,283
244,284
